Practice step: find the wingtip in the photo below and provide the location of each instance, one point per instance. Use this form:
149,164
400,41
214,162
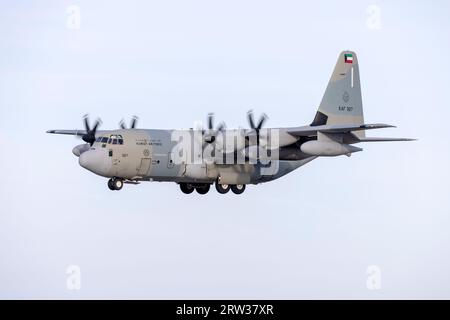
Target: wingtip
377,126
385,125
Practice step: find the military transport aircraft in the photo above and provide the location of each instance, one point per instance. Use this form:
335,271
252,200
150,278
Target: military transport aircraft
230,159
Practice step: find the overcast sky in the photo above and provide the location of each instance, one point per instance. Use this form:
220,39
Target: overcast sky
311,234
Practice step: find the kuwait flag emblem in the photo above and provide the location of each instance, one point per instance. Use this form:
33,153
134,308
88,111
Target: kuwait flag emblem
348,58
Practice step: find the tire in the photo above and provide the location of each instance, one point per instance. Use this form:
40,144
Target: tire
185,188
203,189
238,188
110,185
118,184
222,188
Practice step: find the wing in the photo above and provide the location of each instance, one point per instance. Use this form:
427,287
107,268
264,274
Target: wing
68,132
74,132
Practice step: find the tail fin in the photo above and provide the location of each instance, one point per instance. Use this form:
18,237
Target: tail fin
342,102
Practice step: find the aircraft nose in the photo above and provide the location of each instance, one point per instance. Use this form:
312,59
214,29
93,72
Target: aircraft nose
95,161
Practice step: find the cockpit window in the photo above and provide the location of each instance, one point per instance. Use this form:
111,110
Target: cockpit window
115,139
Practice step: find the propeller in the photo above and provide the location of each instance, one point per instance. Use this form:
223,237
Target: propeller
251,121
211,133
256,127
89,136
133,123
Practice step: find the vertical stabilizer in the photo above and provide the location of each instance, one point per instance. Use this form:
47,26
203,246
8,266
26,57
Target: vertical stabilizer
342,101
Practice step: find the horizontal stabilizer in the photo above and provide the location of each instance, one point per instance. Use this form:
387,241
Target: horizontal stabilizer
337,128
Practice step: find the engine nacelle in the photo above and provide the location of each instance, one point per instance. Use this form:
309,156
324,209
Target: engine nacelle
327,148
79,149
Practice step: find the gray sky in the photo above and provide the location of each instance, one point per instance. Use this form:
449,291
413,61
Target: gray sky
311,234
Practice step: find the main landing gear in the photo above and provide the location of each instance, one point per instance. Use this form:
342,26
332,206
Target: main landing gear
186,188
235,188
238,188
203,188
223,188
115,183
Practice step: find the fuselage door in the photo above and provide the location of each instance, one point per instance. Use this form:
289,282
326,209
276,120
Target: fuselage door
144,167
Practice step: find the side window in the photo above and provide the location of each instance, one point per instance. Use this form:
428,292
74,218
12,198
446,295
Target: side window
120,141
114,141
104,140
98,139
109,141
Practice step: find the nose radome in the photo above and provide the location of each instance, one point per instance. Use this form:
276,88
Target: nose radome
95,161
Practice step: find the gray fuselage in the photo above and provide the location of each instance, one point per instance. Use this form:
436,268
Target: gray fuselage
151,155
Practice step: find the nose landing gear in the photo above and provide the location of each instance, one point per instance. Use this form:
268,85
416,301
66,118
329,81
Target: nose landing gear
115,184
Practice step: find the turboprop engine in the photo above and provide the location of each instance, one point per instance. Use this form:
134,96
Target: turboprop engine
327,148
79,149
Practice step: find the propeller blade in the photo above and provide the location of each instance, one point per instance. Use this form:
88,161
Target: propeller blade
89,137
257,128
210,121
86,122
261,121
97,123
133,122
251,122
221,127
211,133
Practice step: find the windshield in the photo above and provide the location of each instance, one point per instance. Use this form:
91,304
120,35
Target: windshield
115,139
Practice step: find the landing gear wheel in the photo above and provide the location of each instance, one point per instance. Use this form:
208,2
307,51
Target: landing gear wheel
186,188
203,189
238,188
110,185
117,184
222,188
